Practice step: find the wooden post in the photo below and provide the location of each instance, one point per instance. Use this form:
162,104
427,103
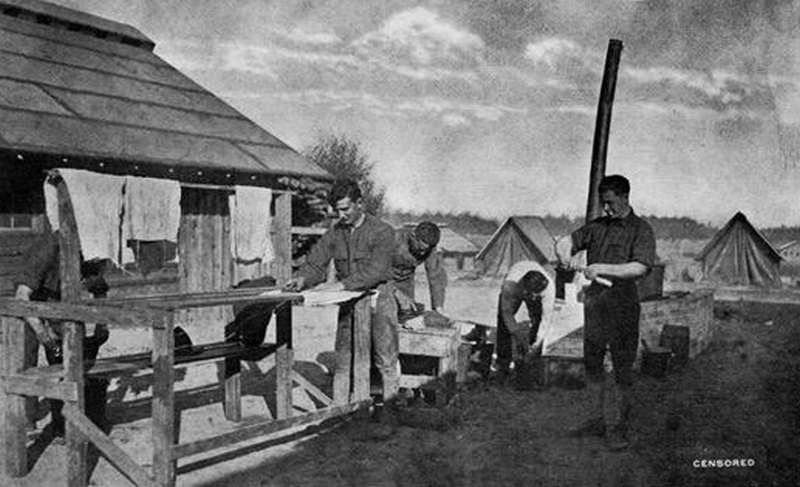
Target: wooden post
73,332
233,389
164,402
344,355
362,343
281,267
14,416
284,357
602,129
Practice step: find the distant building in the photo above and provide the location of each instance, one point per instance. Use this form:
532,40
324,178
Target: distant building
790,251
456,249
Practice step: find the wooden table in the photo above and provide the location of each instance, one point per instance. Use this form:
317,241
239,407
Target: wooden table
351,384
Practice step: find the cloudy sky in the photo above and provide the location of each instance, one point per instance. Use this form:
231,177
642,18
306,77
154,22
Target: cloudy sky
489,106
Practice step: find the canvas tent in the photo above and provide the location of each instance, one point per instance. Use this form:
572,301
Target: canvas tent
739,255
518,238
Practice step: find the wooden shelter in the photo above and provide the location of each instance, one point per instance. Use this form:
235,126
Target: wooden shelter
84,92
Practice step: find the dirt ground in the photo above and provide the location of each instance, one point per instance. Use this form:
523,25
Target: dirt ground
740,399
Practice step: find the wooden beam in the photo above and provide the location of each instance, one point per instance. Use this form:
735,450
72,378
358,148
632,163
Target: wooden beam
281,266
343,349
138,362
263,428
82,312
163,403
50,387
311,389
15,420
73,331
200,300
283,382
362,348
114,454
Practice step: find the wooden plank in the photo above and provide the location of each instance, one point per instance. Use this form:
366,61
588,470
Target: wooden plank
281,266
311,389
283,382
362,347
309,231
263,428
416,381
50,387
163,408
462,362
344,355
73,332
15,420
115,455
232,407
125,364
433,345
237,292
83,312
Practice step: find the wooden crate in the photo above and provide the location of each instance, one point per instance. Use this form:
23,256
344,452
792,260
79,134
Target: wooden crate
444,344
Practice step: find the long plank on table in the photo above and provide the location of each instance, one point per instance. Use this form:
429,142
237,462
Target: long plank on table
95,312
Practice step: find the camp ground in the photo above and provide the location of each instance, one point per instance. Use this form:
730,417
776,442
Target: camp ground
211,211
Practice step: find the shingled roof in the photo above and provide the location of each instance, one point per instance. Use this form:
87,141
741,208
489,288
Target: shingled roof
88,91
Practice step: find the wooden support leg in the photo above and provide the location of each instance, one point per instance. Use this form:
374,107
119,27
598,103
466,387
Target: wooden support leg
283,382
14,417
233,390
362,342
344,356
77,445
163,403
284,358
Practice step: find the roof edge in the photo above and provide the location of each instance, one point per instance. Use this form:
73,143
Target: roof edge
75,20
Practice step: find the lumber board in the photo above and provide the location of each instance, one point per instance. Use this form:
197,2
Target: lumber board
14,418
115,455
311,389
50,387
263,428
123,364
77,448
362,347
163,409
82,312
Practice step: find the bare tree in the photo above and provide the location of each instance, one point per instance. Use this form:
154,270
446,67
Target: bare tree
345,159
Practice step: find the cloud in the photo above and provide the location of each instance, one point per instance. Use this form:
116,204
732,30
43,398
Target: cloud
421,36
454,119
555,53
322,37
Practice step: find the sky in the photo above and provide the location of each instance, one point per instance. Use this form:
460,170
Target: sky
489,107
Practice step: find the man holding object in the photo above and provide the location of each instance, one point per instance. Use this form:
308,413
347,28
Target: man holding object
620,249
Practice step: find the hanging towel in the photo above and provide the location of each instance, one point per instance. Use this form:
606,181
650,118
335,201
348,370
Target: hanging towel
97,204
51,205
251,223
152,209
